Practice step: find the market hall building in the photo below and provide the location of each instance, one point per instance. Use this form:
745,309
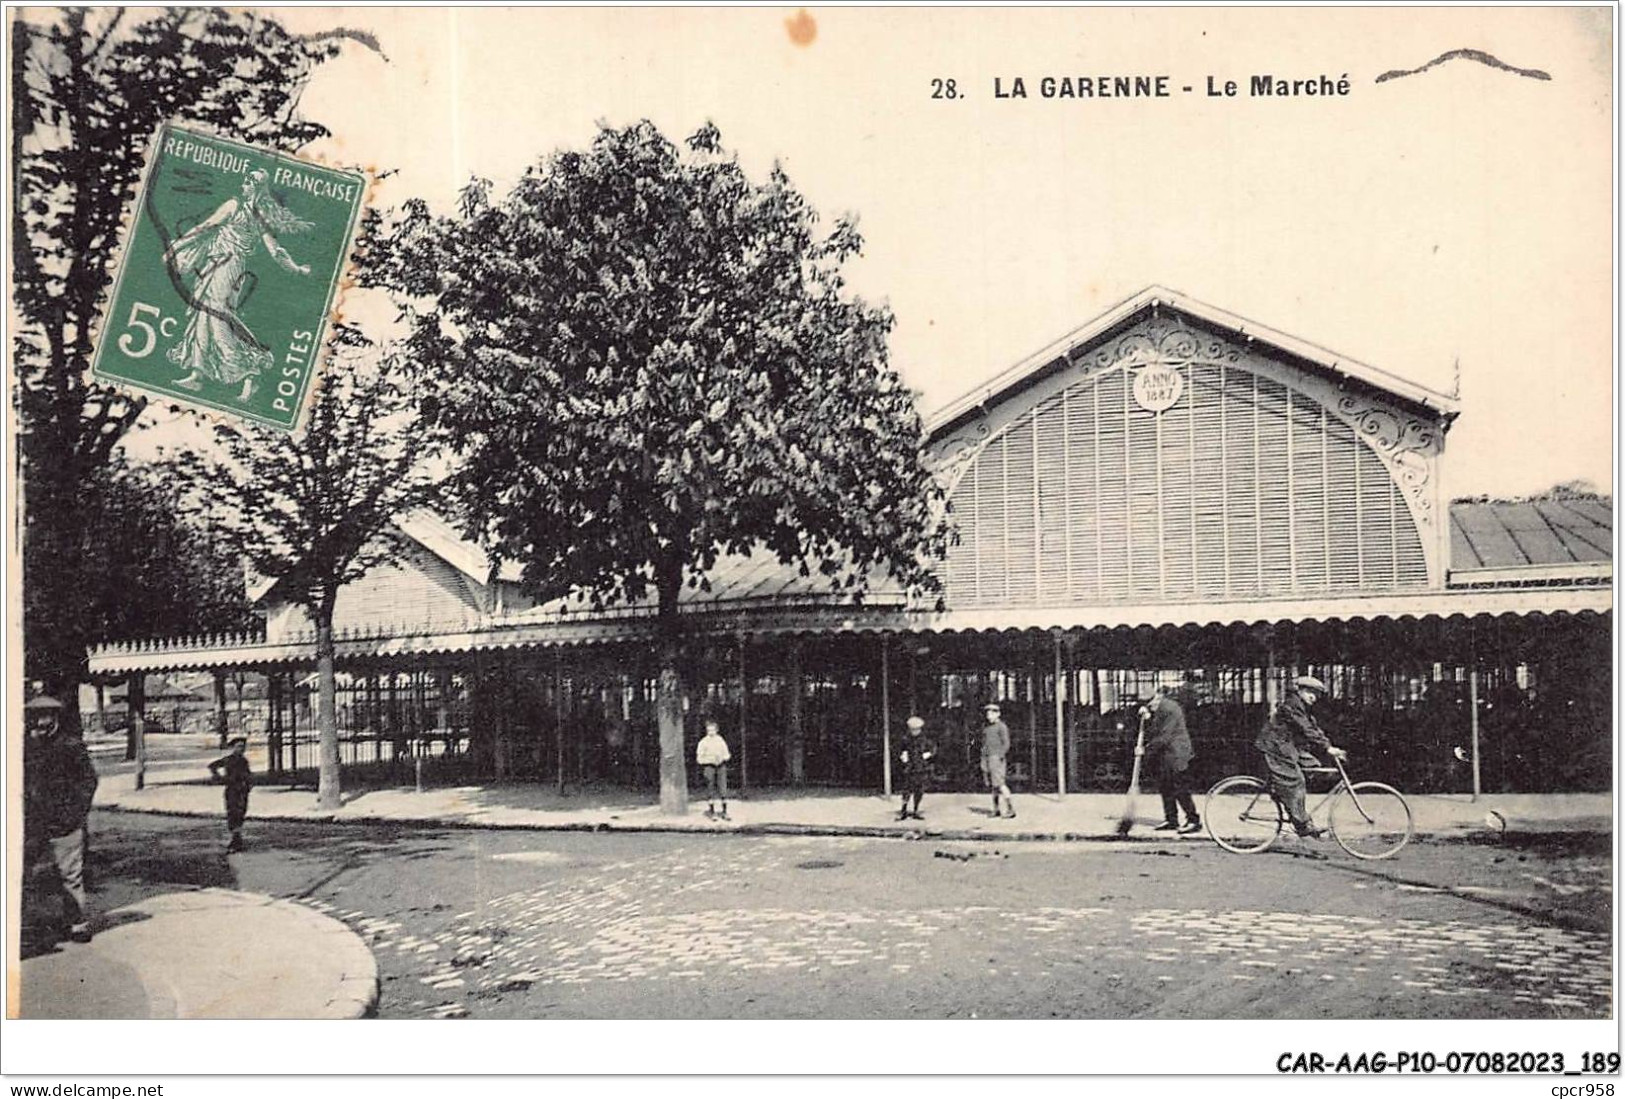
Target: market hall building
1168,496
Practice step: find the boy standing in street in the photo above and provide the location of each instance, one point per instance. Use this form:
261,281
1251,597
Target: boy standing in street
995,747
239,781
916,759
712,755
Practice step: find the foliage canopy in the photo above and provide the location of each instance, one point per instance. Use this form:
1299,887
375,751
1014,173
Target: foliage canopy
88,90
312,511
649,360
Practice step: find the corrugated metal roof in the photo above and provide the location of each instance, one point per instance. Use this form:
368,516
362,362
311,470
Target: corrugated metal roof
432,533
737,580
1486,535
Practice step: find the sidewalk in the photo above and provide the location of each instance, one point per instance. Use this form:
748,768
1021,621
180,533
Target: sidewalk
948,816
206,954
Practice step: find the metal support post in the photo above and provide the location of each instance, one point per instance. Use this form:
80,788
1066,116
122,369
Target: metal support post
885,715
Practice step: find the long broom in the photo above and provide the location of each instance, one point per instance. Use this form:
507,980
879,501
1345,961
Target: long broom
1125,823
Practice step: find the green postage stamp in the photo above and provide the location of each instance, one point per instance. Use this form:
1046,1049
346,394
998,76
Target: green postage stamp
230,271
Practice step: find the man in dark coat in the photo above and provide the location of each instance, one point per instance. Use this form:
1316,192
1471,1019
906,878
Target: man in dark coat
59,781
916,759
1168,753
1292,730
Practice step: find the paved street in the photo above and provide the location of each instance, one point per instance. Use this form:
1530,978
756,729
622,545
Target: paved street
519,924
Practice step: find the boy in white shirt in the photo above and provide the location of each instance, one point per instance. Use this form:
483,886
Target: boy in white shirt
712,755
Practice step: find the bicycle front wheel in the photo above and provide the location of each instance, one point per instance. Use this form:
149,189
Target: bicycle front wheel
1371,820
1241,816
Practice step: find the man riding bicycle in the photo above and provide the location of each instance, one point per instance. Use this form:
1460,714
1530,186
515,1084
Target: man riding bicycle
1290,731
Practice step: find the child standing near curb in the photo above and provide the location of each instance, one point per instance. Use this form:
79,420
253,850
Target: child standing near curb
239,781
712,755
916,759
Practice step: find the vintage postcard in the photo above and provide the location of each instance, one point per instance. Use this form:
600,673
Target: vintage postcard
1098,515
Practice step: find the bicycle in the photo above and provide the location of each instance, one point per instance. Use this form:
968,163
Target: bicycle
1369,820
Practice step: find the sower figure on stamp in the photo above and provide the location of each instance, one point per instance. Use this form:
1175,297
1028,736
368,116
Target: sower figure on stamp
916,759
59,782
215,254
712,755
1291,730
239,779
1168,753
995,747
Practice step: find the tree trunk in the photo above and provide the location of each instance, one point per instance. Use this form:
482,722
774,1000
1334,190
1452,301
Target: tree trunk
328,794
669,698
220,707
64,687
55,614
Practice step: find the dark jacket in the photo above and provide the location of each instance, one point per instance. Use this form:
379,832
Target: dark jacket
239,778
1292,729
59,782
913,755
1167,743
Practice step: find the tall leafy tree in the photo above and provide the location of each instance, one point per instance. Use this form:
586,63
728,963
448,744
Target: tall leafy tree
313,511
88,90
153,564
650,360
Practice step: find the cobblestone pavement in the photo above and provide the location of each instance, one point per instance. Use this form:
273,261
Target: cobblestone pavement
633,936
519,924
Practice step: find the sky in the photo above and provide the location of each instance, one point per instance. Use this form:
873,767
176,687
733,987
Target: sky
1452,223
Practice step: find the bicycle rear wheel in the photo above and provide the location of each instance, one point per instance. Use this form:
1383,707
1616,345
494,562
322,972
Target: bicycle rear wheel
1371,820
1241,816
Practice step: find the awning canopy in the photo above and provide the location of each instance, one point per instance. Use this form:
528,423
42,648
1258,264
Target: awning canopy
633,625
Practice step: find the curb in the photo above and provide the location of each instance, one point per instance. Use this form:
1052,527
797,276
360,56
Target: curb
766,828
357,994
181,983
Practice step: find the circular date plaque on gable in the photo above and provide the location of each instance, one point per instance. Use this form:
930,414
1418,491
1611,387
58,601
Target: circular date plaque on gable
1157,387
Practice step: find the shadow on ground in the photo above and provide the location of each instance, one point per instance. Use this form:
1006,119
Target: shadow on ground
144,856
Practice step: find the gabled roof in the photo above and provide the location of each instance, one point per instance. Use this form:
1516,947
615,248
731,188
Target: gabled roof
442,539
1342,367
435,535
753,579
1531,533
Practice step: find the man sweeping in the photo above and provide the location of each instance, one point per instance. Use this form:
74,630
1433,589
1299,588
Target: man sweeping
1168,753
